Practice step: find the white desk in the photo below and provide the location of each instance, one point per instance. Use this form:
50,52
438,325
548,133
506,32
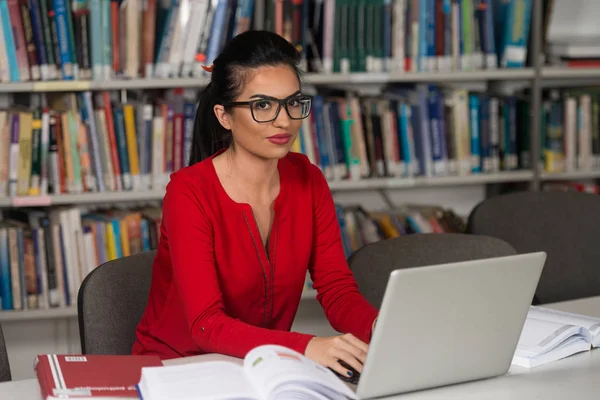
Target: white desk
576,377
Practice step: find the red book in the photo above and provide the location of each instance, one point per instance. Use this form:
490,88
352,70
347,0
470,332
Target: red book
90,376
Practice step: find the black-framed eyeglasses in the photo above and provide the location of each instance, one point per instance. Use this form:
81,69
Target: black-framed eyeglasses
267,108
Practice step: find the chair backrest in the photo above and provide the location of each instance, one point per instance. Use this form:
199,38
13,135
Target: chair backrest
566,225
373,263
111,301
4,365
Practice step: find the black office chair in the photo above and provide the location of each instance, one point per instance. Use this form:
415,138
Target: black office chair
4,364
110,304
373,263
566,225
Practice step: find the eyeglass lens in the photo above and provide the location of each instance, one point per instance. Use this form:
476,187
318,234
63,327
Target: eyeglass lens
265,110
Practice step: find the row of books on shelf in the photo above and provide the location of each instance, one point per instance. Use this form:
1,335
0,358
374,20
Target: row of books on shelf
571,130
417,130
407,35
87,142
84,142
360,227
45,255
106,39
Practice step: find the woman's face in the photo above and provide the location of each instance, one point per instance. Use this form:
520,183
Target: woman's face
253,127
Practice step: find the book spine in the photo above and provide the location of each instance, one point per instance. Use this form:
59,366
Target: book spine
61,19
38,37
32,53
49,46
16,25
11,51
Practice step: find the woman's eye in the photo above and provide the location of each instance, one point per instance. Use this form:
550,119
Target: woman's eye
293,103
262,105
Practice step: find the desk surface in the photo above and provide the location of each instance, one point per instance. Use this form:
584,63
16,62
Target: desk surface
574,377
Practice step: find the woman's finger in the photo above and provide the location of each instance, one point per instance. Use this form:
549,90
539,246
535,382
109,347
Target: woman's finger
349,347
348,358
335,365
356,342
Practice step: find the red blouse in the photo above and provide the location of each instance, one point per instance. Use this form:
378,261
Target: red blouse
214,287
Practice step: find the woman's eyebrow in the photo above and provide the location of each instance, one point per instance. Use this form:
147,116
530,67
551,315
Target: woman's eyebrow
264,96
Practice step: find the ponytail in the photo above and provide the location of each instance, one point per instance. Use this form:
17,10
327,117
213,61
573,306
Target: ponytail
245,52
209,135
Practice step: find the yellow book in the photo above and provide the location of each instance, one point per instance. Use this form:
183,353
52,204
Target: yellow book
111,247
24,169
124,237
132,150
387,226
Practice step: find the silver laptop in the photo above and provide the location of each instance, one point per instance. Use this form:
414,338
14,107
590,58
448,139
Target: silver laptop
450,323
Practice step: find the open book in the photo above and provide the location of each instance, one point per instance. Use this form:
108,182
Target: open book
549,335
268,372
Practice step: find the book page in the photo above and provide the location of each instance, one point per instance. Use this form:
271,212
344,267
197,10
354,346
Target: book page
200,381
538,336
590,323
276,369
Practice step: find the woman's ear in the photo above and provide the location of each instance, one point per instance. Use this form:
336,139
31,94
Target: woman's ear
223,116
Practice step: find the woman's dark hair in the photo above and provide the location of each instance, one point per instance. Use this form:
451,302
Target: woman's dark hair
246,51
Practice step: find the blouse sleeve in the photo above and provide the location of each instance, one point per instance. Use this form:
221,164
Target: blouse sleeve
346,309
190,238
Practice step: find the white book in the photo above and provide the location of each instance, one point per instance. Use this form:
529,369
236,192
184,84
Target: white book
267,372
550,335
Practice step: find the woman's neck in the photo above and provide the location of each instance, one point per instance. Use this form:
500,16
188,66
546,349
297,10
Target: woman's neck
252,172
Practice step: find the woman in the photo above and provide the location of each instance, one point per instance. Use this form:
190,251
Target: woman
245,221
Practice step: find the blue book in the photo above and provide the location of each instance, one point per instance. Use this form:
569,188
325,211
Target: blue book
406,138
64,42
122,146
516,33
11,51
322,144
5,281
38,37
421,129
485,134
474,128
217,32
189,111
97,39
430,35
423,48
437,149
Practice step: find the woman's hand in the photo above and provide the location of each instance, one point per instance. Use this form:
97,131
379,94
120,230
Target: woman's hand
328,350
